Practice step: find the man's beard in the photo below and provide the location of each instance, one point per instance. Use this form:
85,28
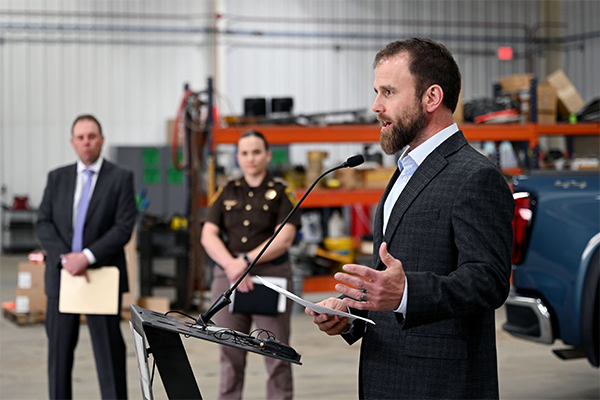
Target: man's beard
404,130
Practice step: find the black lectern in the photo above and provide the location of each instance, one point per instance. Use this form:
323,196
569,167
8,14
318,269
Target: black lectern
162,333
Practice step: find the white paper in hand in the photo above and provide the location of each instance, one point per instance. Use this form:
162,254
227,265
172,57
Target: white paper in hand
315,307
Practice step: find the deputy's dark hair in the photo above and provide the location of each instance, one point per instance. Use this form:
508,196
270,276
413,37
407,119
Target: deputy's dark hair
258,135
86,117
431,63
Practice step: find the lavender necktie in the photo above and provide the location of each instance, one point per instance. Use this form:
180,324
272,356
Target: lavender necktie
82,207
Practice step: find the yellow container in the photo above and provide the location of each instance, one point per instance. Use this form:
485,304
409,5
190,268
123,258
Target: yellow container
340,249
338,244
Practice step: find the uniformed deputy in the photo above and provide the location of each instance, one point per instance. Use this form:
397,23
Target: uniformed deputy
243,216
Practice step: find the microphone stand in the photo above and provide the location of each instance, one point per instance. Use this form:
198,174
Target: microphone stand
224,299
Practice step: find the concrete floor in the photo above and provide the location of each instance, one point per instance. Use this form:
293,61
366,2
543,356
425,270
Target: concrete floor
328,371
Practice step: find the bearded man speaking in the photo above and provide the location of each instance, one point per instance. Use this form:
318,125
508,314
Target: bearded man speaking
442,243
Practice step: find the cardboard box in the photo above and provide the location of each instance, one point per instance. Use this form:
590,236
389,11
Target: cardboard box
29,293
546,118
546,97
30,300
569,100
30,275
377,178
155,303
515,83
350,178
547,104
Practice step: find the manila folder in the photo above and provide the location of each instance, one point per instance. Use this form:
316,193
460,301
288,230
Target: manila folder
98,296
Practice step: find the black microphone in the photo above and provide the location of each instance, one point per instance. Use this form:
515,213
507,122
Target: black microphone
224,299
354,161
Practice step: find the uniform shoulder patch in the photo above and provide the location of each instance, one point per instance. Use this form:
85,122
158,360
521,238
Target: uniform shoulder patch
215,196
281,181
232,178
291,196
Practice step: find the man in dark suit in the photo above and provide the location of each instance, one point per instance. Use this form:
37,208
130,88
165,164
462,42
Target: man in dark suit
442,243
109,216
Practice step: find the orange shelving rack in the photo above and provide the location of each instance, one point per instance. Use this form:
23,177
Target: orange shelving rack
366,133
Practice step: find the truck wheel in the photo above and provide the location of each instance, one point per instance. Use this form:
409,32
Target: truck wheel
590,312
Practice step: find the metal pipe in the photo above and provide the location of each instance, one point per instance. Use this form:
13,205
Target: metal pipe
109,15
529,38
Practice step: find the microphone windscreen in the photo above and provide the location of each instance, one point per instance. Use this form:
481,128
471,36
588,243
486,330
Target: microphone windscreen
355,161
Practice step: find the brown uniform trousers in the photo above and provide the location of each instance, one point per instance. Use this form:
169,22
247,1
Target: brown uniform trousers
233,361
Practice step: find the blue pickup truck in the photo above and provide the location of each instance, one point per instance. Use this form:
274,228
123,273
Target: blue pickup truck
556,251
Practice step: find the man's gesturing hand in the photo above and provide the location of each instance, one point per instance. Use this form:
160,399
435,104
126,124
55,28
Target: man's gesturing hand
384,289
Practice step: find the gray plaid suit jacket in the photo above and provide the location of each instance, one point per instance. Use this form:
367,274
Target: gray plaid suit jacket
451,229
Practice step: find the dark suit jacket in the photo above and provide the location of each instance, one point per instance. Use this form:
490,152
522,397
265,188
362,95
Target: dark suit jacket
451,229
108,225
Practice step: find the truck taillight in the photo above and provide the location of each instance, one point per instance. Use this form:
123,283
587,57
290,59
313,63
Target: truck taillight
521,225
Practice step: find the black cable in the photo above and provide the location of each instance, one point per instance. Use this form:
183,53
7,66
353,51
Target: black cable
182,313
152,375
270,335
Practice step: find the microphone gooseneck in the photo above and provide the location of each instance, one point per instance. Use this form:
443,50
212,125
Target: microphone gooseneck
224,299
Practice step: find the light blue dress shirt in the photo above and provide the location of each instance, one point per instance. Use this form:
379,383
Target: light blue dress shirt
408,163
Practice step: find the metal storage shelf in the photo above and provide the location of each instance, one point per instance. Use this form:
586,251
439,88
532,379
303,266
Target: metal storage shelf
18,230
365,133
339,197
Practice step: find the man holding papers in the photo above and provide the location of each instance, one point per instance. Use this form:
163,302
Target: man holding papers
442,243
85,219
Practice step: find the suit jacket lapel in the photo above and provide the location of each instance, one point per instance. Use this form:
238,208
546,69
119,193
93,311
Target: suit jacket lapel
71,183
431,166
378,223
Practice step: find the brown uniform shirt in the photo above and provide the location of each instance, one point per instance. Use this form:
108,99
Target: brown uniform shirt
249,215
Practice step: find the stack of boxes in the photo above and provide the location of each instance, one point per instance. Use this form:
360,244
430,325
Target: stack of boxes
29,306
569,100
29,294
556,96
546,104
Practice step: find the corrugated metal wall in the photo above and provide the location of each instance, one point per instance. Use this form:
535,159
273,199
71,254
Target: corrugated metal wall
119,60
127,61
581,48
321,52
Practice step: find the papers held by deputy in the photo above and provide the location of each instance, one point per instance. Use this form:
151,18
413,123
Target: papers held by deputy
315,307
98,296
261,300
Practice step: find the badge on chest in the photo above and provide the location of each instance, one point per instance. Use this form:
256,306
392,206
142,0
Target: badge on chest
229,204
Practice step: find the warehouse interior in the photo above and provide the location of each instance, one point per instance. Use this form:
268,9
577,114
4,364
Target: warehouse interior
176,82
